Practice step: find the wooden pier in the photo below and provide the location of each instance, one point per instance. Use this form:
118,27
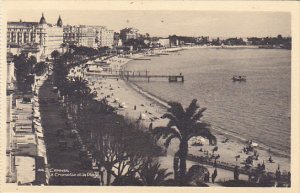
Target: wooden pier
137,74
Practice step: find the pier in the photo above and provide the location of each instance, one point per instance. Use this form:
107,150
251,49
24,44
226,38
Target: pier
137,74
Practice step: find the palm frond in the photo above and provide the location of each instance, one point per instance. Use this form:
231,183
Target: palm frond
176,109
199,114
169,139
165,131
203,129
191,110
170,116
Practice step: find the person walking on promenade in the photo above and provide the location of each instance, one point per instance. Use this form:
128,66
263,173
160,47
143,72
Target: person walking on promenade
236,173
289,179
278,173
101,173
214,175
206,177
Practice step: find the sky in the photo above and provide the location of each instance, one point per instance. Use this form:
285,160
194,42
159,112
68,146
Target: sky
165,23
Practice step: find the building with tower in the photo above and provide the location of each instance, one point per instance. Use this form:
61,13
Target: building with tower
40,38
59,22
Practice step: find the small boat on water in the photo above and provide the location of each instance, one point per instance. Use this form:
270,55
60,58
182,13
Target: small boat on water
238,78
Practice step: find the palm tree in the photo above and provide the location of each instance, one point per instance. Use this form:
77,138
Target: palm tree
152,175
183,125
60,72
79,93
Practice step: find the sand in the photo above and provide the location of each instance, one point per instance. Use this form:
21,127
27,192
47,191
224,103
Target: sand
142,107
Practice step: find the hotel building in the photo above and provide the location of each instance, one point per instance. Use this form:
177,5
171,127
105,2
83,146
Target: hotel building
89,36
129,33
104,37
40,37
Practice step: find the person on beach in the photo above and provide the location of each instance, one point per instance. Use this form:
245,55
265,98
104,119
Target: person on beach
150,126
215,149
270,159
249,177
134,107
278,174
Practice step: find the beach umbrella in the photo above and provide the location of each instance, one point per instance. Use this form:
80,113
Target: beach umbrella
199,139
142,116
123,105
254,144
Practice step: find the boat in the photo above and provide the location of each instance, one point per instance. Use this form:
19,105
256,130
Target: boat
238,78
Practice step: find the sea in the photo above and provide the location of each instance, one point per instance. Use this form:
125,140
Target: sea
258,109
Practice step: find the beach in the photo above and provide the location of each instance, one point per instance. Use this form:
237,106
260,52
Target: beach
138,105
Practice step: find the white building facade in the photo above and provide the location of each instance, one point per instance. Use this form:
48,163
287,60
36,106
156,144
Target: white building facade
89,36
46,36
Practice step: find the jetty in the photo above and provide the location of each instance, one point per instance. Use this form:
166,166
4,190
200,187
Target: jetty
145,75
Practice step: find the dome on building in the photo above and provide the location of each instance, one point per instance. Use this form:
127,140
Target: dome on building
59,22
42,20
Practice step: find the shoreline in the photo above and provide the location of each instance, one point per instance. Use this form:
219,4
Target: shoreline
134,95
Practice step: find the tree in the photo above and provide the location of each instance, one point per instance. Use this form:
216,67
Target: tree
32,60
55,54
64,47
80,92
183,125
24,67
151,173
115,156
60,72
68,58
20,65
147,36
120,146
40,68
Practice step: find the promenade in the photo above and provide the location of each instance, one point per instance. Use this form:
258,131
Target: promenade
61,160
